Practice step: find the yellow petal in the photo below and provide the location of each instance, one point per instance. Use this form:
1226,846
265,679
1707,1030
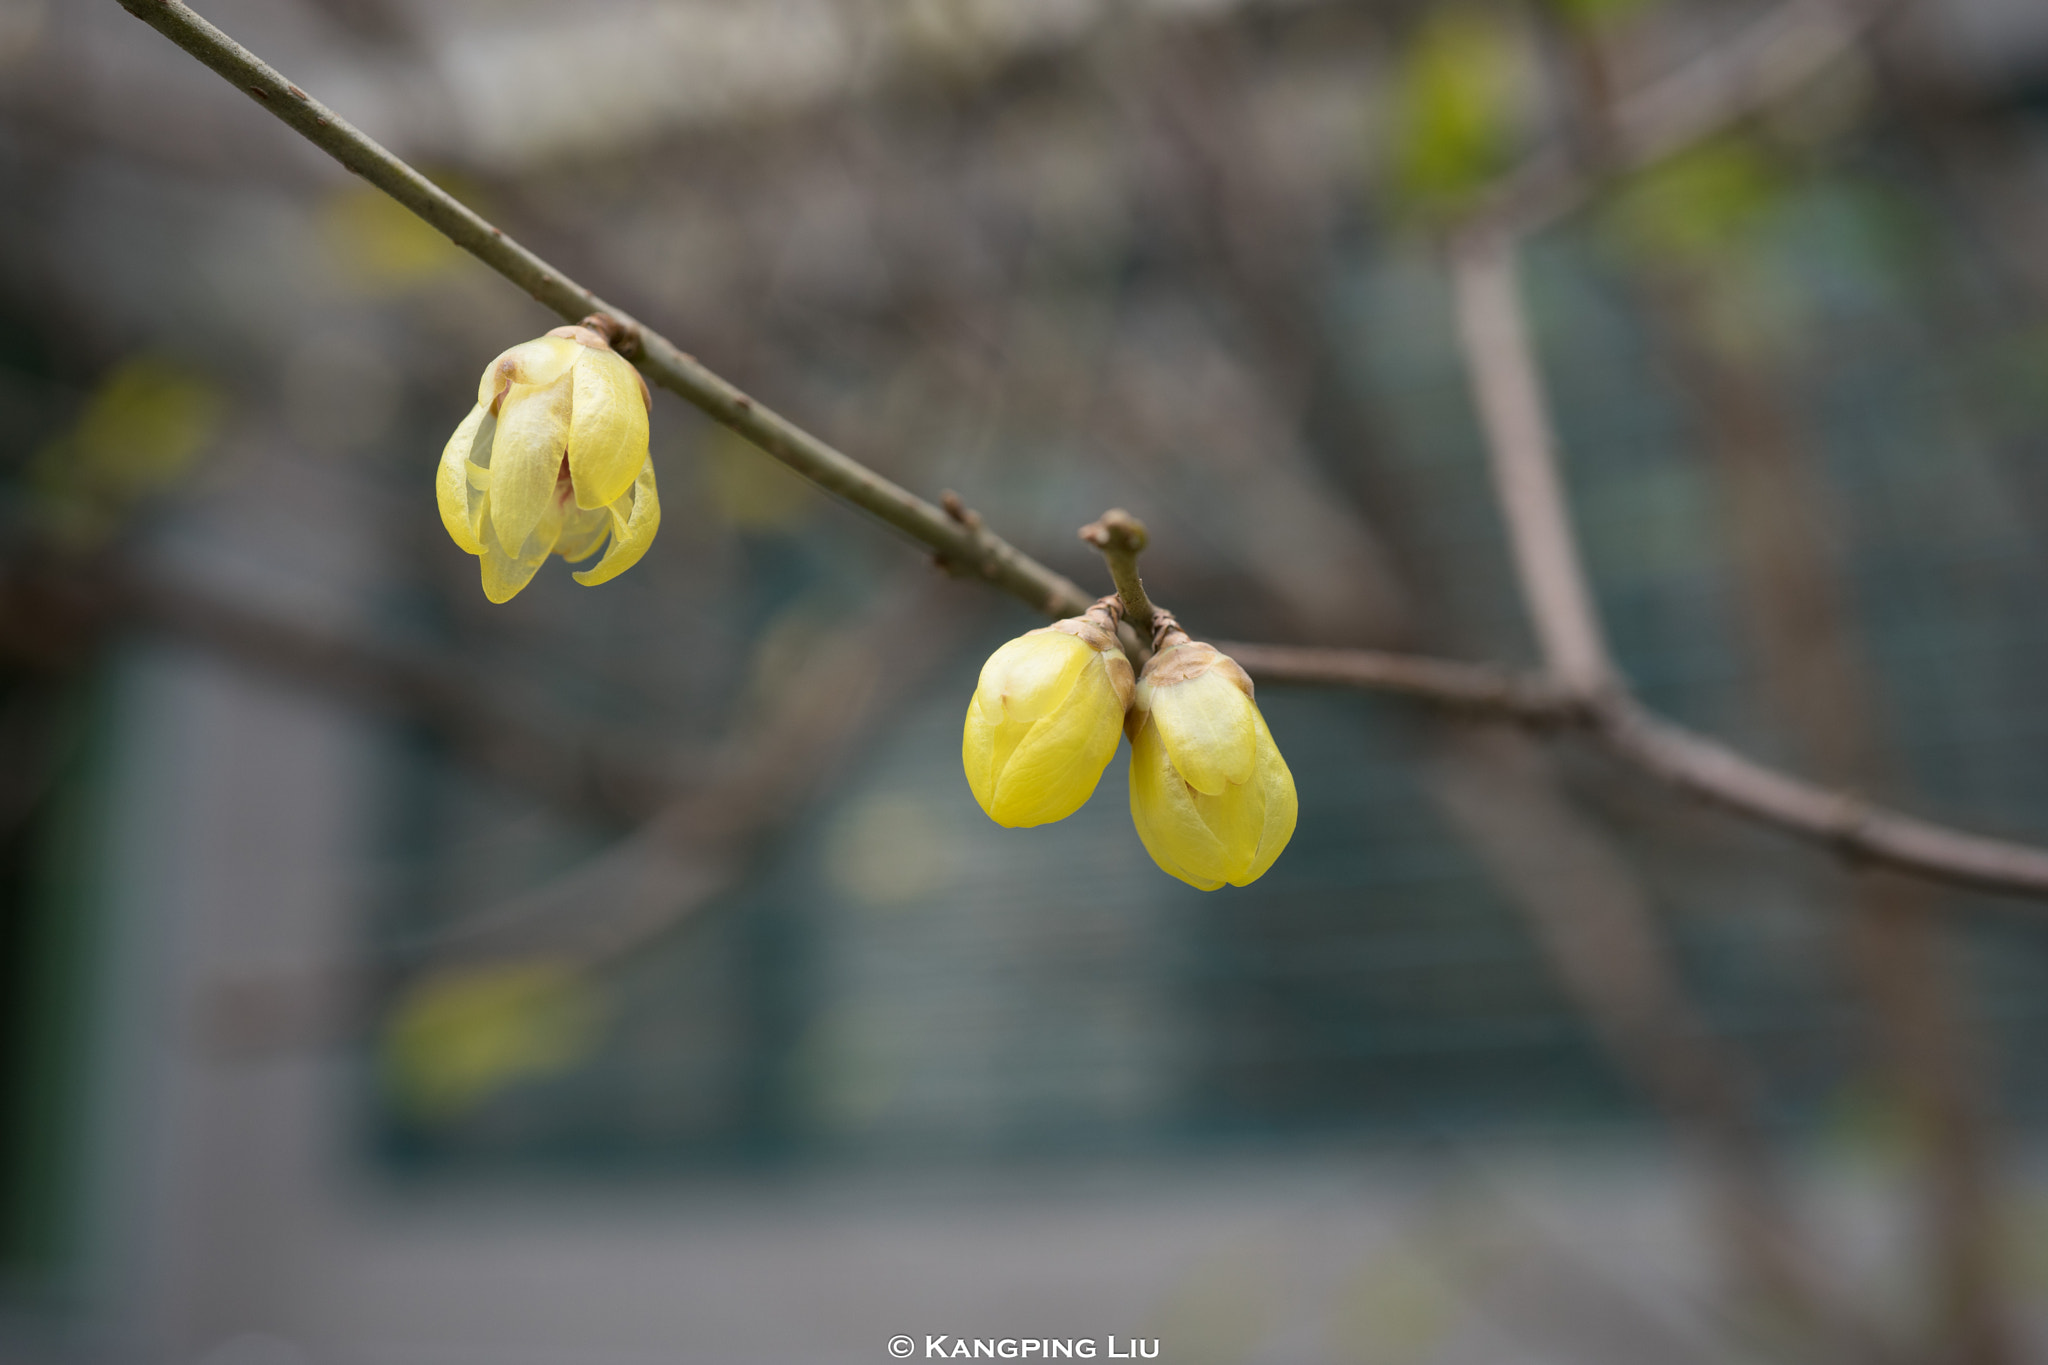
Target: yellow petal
1163,811
461,500
1237,817
985,744
526,456
582,533
533,363
546,533
635,518
1208,726
607,428
1032,674
1281,806
1207,840
505,574
1054,768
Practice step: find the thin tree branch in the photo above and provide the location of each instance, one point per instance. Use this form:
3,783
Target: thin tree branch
968,549
1675,756
1475,689
1573,643
1509,392
1856,828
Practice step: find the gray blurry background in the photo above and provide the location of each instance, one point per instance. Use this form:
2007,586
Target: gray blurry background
626,975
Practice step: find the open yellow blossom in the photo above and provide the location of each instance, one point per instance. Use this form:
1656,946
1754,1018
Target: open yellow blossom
552,460
1045,719
1211,796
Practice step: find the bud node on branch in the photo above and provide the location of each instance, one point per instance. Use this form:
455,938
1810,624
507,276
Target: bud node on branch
1122,538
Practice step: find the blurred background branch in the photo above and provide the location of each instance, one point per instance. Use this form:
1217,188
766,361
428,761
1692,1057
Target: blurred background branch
1510,399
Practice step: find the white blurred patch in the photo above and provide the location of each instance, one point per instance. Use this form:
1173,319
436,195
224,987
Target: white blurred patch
888,851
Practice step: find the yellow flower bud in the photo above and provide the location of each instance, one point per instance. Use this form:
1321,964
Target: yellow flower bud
1045,718
1211,796
552,460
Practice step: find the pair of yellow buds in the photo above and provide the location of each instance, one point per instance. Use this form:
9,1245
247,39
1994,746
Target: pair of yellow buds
1211,796
553,460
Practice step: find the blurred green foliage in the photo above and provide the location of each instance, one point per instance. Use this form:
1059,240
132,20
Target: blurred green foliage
463,1035
1455,104
381,247
1693,209
139,434
748,492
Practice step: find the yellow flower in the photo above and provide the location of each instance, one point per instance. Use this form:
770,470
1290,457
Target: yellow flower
1210,794
552,460
1045,718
